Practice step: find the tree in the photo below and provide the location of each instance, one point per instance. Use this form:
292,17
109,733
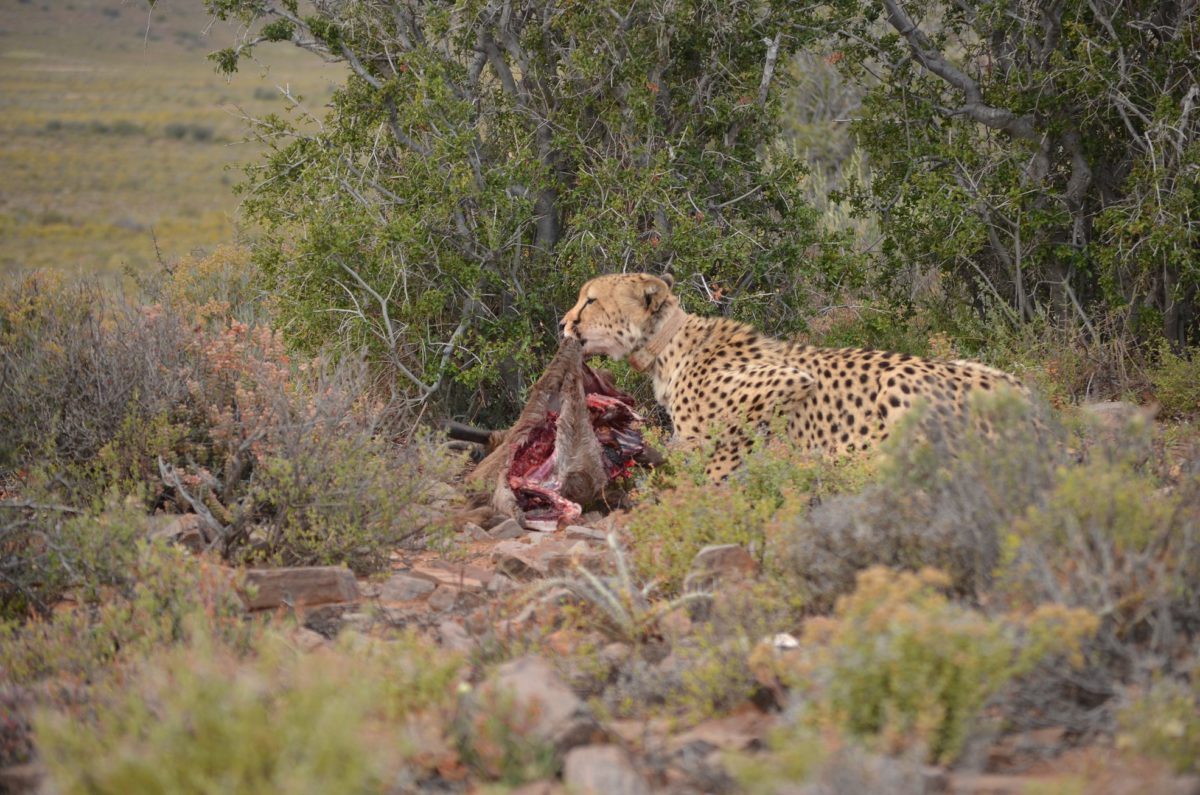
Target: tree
484,158
1043,153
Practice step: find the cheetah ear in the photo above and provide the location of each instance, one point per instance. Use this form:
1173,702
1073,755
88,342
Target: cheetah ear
656,292
669,279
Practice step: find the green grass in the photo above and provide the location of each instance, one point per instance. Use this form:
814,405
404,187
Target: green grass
116,132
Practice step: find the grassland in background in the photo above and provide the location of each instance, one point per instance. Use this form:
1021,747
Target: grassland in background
115,131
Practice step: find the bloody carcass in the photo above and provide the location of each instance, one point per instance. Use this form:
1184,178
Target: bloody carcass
576,435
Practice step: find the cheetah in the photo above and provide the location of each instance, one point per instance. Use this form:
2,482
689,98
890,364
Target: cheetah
718,377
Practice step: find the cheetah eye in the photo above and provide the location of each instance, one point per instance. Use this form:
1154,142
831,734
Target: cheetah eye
589,301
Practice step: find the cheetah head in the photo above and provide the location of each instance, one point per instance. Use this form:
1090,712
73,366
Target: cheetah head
618,314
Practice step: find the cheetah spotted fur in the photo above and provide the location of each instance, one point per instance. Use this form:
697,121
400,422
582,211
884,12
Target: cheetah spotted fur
717,376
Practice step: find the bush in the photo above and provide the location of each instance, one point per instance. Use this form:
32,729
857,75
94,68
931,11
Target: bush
498,742
901,665
197,719
689,513
1163,722
76,364
164,597
189,408
46,549
468,226
1176,380
1105,538
945,492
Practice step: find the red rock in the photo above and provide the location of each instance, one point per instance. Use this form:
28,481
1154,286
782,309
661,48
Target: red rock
305,585
602,770
444,598
554,713
464,577
404,588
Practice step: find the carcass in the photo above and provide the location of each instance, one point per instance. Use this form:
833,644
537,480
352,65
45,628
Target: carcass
576,435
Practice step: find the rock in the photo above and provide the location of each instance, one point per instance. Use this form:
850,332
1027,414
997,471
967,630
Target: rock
187,530
1117,415
543,787
404,588
509,528
742,731
23,778
602,770
720,563
467,578
475,533
326,620
306,639
442,495
357,621
454,637
581,533
518,561
444,598
563,562
544,703
303,585
500,584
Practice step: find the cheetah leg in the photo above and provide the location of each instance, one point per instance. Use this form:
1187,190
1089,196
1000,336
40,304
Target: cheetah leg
758,394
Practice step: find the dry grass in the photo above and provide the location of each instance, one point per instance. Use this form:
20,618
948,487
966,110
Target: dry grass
115,131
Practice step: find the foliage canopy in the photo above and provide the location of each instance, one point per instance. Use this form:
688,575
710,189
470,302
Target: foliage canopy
484,158
1045,155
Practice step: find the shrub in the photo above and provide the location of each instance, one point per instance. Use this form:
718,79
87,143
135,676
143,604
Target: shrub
198,719
1105,538
165,596
828,763
498,742
1176,380
1164,722
46,549
689,513
945,492
468,227
190,408
76,363
901,665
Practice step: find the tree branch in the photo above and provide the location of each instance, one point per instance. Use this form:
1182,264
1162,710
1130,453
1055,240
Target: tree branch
974,108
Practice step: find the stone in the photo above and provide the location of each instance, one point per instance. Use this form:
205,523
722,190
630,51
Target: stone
444,598
306,639
509,528
582,533
602,770
468,578
615,654
475,533
265,589
543,787
744,730
187,530
540,698
720,563
326,620
357,621
676,623
518,561
454,637
404,588
501,584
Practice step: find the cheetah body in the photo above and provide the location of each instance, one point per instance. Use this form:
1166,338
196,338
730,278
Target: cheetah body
718,377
